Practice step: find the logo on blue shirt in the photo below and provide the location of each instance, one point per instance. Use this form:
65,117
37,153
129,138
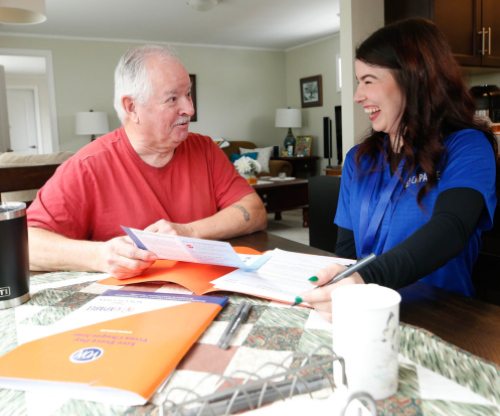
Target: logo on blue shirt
421,178
86,355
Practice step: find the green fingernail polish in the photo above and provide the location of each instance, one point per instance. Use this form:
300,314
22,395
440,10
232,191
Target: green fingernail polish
298,299
313,279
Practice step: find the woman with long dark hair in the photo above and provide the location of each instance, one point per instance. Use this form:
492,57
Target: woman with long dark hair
420,188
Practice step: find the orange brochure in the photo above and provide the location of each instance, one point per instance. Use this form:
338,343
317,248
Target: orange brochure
193,276
118,348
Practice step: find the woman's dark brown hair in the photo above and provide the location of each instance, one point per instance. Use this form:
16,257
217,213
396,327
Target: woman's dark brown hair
437,101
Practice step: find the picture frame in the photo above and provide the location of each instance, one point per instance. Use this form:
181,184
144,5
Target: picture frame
303,146
192,77
311,91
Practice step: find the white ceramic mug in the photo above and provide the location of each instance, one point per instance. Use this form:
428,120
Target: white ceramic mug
365,328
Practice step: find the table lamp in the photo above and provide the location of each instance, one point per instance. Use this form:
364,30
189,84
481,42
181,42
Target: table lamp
289,117
92,122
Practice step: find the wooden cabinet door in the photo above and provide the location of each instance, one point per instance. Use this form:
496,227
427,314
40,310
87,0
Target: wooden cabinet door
491,22
460,21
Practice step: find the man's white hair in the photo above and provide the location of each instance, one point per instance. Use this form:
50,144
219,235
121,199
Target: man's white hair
132,77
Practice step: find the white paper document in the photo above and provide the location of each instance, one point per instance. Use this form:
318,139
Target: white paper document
194,250
284,276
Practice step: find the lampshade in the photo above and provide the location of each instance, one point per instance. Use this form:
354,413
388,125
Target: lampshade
288,117
202,5
22,11
92,122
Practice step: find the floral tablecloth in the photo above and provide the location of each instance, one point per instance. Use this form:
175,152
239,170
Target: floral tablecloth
435,377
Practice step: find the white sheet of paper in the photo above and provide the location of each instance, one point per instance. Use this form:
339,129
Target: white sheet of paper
333,405
194,250
284,276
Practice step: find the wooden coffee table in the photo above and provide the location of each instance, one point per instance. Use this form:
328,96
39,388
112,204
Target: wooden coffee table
285,195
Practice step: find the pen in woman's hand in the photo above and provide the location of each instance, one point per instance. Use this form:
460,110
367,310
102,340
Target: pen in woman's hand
353,268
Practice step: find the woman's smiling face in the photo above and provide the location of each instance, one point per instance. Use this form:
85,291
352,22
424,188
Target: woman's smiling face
381,97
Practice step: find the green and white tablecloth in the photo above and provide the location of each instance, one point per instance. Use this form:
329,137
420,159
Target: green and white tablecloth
435,377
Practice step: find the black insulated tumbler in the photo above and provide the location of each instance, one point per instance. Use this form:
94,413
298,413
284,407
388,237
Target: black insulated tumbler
14,262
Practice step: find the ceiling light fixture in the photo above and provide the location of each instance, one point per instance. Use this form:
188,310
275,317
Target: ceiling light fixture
202,5
24,12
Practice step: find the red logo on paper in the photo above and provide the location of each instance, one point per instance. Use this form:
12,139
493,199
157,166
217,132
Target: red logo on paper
189,246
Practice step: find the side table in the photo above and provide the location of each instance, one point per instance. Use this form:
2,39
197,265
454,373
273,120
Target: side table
285,195
302,165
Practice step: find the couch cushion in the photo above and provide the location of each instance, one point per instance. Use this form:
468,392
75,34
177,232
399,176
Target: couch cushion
10,160
263,157
234,147
251,155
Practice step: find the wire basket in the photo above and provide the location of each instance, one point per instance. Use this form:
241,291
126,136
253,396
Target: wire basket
298,374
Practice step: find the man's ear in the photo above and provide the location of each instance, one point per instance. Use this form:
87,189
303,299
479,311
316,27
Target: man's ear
128,105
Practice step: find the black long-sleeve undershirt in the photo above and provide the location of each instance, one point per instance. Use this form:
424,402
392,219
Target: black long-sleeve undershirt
445,236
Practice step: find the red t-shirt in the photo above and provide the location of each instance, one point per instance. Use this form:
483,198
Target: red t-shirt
106,184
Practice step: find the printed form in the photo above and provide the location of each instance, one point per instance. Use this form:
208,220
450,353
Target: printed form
194,250
284,276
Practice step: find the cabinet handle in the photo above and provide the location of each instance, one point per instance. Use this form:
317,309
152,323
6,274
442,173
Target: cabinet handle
10,150
482,40
32,147
264,196
489,41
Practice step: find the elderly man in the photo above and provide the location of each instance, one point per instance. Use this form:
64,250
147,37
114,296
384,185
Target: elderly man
150,174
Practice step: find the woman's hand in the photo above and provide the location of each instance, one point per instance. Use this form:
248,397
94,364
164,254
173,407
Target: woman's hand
320,298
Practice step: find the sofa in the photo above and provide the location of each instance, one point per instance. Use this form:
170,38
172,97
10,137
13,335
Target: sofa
16,160
275,166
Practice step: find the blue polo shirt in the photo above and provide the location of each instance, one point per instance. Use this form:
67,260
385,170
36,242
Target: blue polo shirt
468,163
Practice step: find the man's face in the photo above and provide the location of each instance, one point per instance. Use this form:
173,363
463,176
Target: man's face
164,120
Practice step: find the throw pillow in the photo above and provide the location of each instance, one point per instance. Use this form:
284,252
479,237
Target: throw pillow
252,155
263,157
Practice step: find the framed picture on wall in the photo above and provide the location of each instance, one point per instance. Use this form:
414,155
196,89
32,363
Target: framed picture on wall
193,96
311,91
303,145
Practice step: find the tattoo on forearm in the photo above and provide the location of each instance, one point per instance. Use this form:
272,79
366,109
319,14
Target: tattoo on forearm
244,211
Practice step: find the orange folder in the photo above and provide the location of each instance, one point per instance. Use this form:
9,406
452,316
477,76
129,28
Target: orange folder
118,361
195,277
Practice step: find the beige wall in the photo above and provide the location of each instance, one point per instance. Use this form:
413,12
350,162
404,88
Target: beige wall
314,59
43,102
237,90
493,78
359,19
4,118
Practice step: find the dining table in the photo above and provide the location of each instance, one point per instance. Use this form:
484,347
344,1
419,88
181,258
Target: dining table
460,320
449,350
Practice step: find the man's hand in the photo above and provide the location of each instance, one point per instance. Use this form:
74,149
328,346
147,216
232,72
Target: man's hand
122,259
320,298
170,228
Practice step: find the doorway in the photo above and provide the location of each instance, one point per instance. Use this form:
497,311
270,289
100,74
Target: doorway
29,77
24,120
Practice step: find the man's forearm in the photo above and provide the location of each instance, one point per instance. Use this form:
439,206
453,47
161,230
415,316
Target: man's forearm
244,217
49,251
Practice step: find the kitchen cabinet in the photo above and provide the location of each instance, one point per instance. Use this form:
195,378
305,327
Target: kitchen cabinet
472,27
